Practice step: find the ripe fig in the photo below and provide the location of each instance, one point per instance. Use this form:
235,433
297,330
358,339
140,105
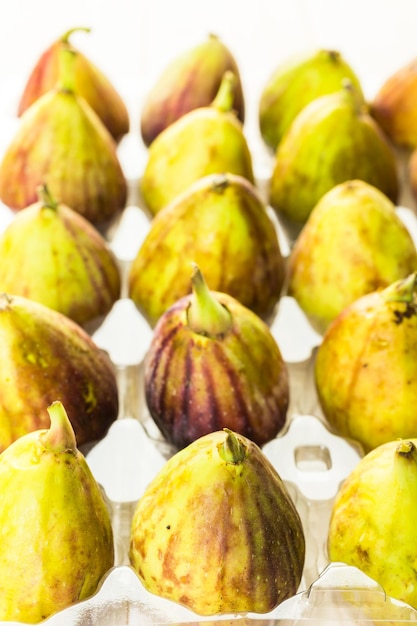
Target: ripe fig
366,370
190,81
211,364
332,140
207,140
89,81
62,143
217,530
374,519
55,528
56,257
220,223
295,83
45,356
353,242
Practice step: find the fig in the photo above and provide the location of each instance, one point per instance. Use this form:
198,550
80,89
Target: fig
353,242
374,518
212,364
332,140
217,531
207,140
395,104
294,83
365,369
89,81
221,223
46,356
56,257
190,81
60,142
55,528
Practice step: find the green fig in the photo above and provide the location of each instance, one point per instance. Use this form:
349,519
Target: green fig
56,257
45,356
207,140
89,81
220,223
294,84
365,368
332,140
190,81
374,519
55,528
217,531
211,364
354,242
62,143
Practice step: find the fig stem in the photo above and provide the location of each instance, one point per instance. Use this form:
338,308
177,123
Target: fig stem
402,290
66,76
353,95
66,36
232,449
60,437
205,314
405,448
225,96
46,197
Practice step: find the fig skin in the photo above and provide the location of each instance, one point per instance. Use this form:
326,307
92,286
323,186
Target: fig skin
189,82
217,531
220,223
45,357
365,368
374,519
56,533
90,83
199,382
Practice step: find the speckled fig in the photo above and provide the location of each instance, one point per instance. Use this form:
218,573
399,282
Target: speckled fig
217,531
212,363
366,370
46,356
55,527
374,519
190,81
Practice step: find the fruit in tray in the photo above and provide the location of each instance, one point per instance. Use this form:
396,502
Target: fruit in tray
56,257
89,82
221,223
366,370
55,528
374,519
212,363
190,81
44,357
295,83
353,242
207,140
62,143
333,139
217,530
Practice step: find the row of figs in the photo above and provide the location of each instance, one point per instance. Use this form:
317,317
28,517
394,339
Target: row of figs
216,530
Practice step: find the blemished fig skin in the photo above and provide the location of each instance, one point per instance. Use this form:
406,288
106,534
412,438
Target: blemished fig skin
190,81
374,519
207,140
90,83
332,140
45,357
220,223
295,83
56,257
55,528
217,530
365,368
61,142
212,363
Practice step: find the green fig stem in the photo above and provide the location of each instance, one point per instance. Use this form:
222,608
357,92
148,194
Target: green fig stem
66,36
355,97
205,314
66,78
232,450
225,97
405,448
402,290
60,437
45,196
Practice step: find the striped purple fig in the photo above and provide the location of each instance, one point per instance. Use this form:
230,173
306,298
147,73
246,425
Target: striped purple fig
212,364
